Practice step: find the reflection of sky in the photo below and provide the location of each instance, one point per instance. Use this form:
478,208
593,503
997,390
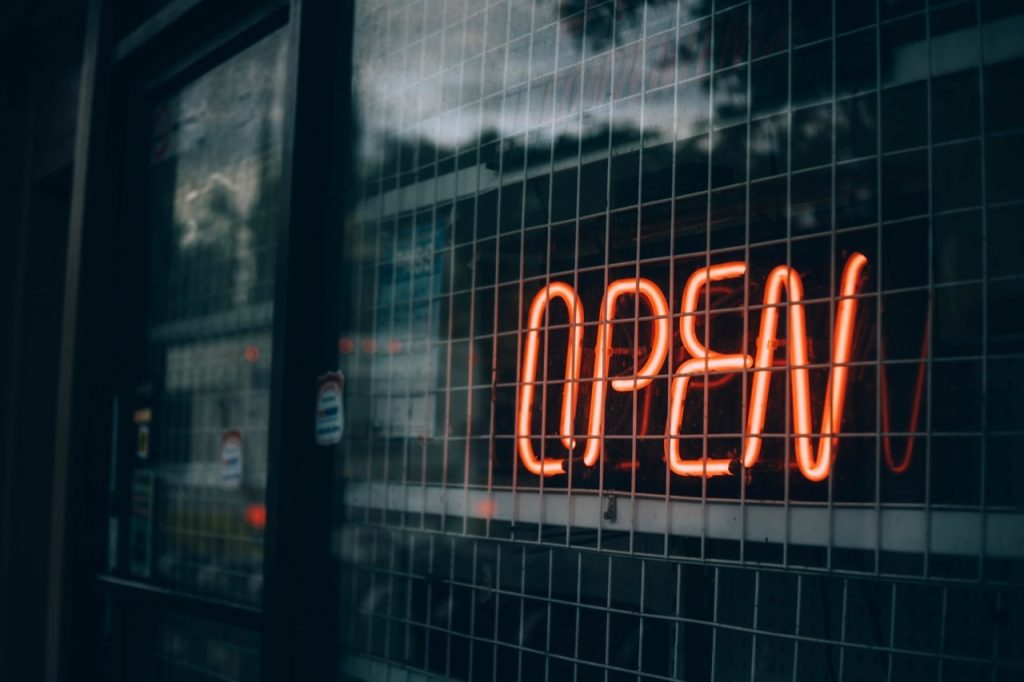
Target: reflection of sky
511,63
415,90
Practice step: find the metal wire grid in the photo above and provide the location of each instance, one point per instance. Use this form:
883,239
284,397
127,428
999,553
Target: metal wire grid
465,608
412,457
389,234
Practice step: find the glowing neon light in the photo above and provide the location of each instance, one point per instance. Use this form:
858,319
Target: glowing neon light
680,384
704,361
813,468
659,351
691,298
574,354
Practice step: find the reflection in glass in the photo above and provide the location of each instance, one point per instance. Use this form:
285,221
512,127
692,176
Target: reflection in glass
595,142
214,182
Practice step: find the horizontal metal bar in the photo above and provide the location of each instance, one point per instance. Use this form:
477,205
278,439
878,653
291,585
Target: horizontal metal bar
170,17
162,598
994,534
153,27
260,19
240,320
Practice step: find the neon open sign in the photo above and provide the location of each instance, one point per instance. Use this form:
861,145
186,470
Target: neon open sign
782,282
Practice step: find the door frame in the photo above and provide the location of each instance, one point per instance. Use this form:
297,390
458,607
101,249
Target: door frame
92,610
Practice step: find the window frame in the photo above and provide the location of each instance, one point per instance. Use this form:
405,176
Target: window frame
99,617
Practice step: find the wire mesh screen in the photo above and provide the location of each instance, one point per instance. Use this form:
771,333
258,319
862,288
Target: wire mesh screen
684,341
466,608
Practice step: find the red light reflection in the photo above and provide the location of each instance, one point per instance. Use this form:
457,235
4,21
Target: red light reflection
813,468
486,508
256,516
915,409
252,354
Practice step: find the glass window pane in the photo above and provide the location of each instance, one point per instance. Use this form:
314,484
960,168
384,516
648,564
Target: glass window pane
538,451
214,208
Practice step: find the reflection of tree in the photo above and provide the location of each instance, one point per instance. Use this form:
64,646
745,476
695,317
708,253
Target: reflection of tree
215,246
224,246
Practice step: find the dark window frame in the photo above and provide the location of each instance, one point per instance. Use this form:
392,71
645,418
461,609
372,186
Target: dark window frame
97,617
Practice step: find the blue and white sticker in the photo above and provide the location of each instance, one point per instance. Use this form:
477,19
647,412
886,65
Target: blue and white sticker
330,411
231,459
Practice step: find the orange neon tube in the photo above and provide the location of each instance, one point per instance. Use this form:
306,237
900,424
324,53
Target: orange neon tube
528,377
915,409
659,351
691,299
813,468
704,361
680,383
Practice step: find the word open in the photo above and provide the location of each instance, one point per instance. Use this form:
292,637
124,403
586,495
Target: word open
783,281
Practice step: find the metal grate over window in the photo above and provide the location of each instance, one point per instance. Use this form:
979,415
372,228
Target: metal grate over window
468,608
686,169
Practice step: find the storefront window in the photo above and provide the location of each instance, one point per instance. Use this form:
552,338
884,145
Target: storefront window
681,341
199,473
